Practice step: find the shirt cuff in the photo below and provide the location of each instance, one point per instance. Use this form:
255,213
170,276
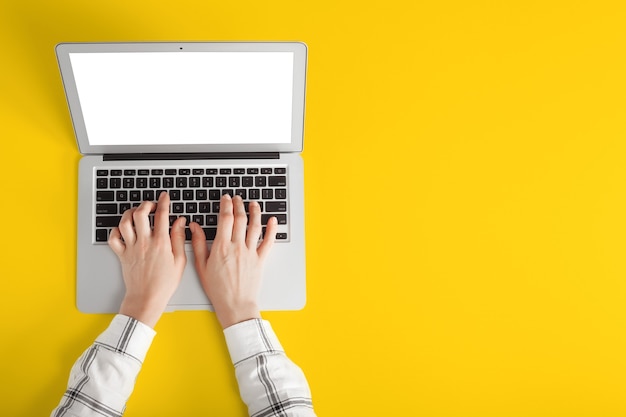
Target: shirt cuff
127,336
251,338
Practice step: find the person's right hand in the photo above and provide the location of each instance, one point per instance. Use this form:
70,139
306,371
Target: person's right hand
231,273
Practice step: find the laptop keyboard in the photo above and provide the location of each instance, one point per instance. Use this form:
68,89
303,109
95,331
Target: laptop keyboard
194,194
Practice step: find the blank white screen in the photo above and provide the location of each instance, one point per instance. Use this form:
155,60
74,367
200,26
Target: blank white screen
169,98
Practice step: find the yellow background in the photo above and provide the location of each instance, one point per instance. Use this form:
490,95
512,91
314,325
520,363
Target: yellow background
465,200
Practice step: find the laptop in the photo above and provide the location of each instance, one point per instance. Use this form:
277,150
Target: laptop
195,119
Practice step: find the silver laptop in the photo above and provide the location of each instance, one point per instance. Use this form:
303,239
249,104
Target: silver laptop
197,120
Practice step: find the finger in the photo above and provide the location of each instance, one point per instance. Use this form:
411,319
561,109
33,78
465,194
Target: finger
126,226
198,243
268,239
241,220
225,220
177,237
161,216
141,219
115,242
254,225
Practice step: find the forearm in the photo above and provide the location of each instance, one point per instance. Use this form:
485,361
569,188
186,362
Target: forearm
269,382
103,378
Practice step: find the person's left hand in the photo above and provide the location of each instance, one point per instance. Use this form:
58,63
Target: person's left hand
152,261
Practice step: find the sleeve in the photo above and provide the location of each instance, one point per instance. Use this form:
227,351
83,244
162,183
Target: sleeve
104,376
269,383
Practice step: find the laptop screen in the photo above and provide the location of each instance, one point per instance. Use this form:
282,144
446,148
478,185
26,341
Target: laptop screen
194,98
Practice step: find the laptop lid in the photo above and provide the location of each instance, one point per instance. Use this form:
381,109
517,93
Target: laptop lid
185,97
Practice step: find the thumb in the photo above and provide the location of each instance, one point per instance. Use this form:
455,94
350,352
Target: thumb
198,243
177,236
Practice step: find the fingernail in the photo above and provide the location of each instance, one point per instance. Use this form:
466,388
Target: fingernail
226,196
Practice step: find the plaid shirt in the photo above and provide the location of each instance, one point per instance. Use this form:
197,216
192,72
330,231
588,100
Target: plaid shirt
103,378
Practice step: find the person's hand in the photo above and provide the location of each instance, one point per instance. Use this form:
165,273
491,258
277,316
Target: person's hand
152,262
231,273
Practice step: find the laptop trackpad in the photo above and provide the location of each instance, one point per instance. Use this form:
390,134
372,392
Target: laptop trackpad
190,291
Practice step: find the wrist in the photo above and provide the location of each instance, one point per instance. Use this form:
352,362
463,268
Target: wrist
231,316
148,313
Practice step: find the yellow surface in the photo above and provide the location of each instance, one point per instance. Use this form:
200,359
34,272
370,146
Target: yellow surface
469,263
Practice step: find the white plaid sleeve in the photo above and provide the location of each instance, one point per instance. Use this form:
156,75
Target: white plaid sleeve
269,382
103,378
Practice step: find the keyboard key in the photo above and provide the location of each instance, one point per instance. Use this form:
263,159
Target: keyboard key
211,220
105,196
102,172
168,182
135,195
116,172
214,194
115,183
102,182
191,207
280,170
102,235
198,219
280,193
157,172
253,170
108,221
197,171
220,182
155,182
121,195
170,172
148,195
239,171
268,194
246,182
124,207
129,172
266,170
194,182
106,208
225,171
204,207
279,181
128,182
184,171
260,181
174,195
211,171
241,193
246,206
254,194
282,218
275,206
230,192
181,182
142,182
281,236
201,195
207,182
233,181
187,194
210,232
178,208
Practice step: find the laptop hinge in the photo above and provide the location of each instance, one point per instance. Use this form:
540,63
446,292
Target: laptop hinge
188,156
